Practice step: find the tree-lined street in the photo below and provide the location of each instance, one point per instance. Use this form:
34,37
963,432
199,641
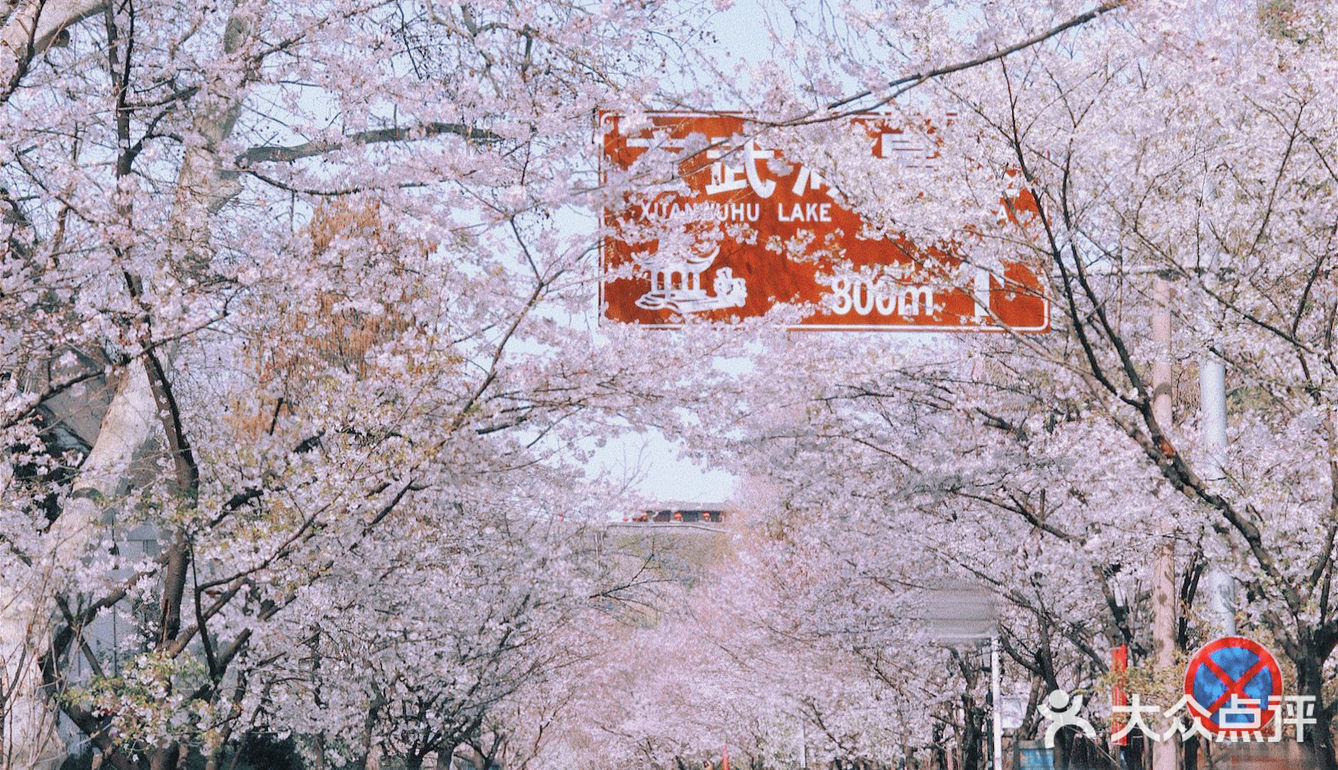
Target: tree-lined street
317,321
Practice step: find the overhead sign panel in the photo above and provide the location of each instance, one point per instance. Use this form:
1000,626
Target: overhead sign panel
741,230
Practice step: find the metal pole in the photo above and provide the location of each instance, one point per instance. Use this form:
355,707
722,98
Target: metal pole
1212,400
1221,586
995,696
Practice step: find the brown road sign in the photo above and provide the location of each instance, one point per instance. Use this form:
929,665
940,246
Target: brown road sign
742,231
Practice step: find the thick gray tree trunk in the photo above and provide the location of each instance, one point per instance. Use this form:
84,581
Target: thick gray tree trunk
27,603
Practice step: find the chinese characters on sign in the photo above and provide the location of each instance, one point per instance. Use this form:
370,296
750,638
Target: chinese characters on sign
742,230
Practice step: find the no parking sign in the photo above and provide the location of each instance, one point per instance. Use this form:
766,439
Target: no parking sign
1236,683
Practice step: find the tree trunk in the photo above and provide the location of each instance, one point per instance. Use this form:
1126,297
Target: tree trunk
1310,682
165,757
28,732
938,758
26,604
318,762
51,17
1190,747
973,734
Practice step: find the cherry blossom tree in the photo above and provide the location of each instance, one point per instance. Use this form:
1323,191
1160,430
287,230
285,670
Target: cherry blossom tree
1185,145
284,284
302,290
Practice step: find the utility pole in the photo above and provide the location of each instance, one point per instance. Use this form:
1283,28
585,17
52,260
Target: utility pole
1212,400
1212,405
996,698
1164,595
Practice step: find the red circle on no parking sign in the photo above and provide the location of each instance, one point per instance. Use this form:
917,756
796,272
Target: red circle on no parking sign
1233,666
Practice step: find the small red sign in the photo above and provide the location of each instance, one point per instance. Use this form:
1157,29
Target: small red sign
1236,683
1119,670
742,230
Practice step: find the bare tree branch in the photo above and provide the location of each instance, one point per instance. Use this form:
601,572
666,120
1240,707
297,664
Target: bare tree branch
280,154
898,86
34,27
